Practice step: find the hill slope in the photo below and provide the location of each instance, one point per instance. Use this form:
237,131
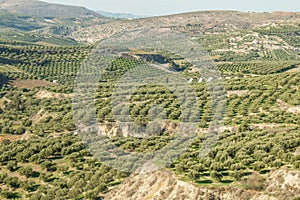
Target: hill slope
199,22
34,7
165,185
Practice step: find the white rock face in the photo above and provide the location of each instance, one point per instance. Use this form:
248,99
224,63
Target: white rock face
284,183
164,185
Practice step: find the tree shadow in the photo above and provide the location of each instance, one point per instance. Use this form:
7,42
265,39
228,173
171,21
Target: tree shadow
247,173
3,80
225,173
226,181
205,174
35,174
204,181
264,171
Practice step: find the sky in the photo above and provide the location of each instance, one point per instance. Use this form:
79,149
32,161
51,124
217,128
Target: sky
165,7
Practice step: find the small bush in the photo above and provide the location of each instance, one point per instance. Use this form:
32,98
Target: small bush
254,182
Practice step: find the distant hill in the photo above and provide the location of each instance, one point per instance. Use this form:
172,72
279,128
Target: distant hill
43,9
37,21
201,21
119,15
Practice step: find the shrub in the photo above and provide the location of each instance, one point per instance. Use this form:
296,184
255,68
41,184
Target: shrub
236,174
12,165
20,130
12,182
26,171
216,175
254,182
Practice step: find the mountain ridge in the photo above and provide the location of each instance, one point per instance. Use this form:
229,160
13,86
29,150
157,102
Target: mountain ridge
119,15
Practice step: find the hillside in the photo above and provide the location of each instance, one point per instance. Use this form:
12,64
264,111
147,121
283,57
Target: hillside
165,185
43,9
198,22
36,21
46,154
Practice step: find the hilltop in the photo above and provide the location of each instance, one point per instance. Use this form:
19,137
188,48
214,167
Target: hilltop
40,8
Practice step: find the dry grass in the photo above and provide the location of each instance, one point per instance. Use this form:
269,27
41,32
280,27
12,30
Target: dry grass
14,137
29,84
43,94
237,92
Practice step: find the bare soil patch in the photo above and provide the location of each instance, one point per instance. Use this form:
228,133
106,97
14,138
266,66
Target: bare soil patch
2,100
39,116
237,92
14,137
46,44
29,84
43,94
288,108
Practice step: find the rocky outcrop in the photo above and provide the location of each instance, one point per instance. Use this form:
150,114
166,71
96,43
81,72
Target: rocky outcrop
114,129
284,183
164,185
